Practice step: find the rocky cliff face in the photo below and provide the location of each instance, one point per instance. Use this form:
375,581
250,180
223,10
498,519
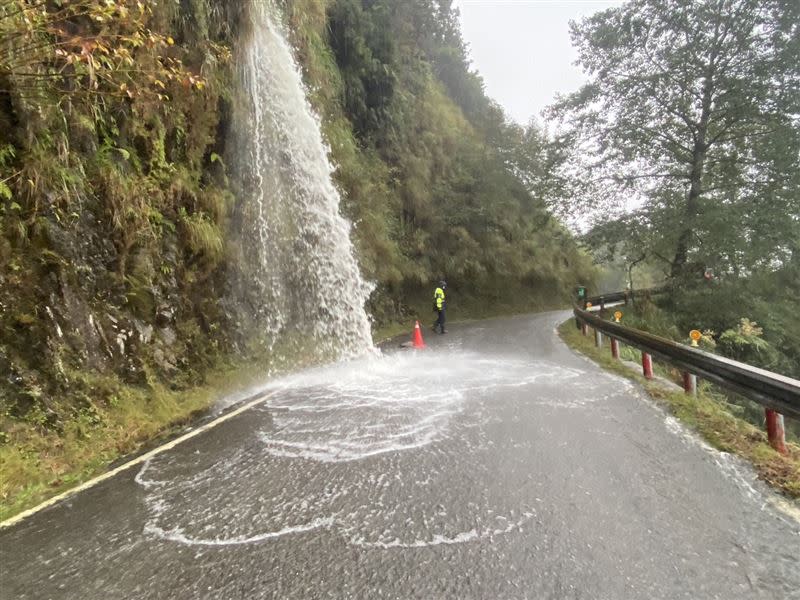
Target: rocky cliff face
115,206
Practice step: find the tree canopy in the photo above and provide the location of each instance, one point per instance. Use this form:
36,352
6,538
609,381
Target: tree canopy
692,114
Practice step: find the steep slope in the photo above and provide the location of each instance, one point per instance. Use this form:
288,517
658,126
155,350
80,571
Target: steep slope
424,160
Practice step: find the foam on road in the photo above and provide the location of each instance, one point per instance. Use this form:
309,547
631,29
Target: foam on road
496,464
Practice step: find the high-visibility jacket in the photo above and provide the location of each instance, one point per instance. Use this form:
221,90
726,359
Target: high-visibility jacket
438,298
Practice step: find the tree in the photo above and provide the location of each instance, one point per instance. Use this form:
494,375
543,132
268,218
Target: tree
627,242
692,107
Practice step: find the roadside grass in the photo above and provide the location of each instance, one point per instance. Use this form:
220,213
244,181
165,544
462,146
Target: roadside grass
392,330
708,414
37,463
117,420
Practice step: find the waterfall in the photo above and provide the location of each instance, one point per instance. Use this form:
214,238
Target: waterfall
304,279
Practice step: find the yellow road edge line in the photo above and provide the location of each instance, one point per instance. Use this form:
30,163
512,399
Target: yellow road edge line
133,462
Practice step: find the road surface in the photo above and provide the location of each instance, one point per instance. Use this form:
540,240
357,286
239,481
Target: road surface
496,464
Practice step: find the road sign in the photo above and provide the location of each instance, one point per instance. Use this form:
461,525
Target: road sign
695,335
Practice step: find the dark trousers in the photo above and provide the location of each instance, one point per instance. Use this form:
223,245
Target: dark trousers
439,320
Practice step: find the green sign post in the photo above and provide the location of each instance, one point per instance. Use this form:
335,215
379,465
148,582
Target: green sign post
580,294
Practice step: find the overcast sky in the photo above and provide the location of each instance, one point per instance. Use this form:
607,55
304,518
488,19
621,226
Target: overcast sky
522,49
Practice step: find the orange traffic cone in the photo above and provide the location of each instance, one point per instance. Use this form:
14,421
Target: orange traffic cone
416,338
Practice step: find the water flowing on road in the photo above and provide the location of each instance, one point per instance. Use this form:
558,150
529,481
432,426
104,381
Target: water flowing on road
495,464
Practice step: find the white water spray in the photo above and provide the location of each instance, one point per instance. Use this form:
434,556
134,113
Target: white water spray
306,277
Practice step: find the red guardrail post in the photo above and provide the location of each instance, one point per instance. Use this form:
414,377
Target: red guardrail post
584,329
775,431
647,365
690,383
614,348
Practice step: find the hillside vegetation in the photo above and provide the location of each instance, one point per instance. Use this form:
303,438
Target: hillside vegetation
427,161
117,204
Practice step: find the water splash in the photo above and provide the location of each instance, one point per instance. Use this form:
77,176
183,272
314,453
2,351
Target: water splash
305,280
337,450
379,405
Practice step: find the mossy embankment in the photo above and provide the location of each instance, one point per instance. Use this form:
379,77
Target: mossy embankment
709,414
38,463
115,216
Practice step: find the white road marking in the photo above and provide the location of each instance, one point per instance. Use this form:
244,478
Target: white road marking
135,461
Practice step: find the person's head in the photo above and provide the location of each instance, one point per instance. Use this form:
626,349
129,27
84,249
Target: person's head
443,284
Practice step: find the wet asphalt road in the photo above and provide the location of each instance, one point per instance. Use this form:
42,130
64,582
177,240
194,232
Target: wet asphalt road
497,464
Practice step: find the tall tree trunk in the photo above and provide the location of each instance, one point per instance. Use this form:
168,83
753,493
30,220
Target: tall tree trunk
692,205
630,269
699,150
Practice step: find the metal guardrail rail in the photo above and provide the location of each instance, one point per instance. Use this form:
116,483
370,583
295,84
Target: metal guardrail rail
779,394
623,296
770,389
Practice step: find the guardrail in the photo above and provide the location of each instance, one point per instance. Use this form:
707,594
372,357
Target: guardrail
780,395
624,296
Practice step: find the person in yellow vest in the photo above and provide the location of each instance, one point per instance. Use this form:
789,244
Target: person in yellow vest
439,306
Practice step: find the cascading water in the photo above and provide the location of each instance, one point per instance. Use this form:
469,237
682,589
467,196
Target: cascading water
306,280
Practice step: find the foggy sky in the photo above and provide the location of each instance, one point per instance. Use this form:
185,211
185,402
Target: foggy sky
522,49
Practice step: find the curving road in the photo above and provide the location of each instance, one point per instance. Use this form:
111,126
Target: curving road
496,464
